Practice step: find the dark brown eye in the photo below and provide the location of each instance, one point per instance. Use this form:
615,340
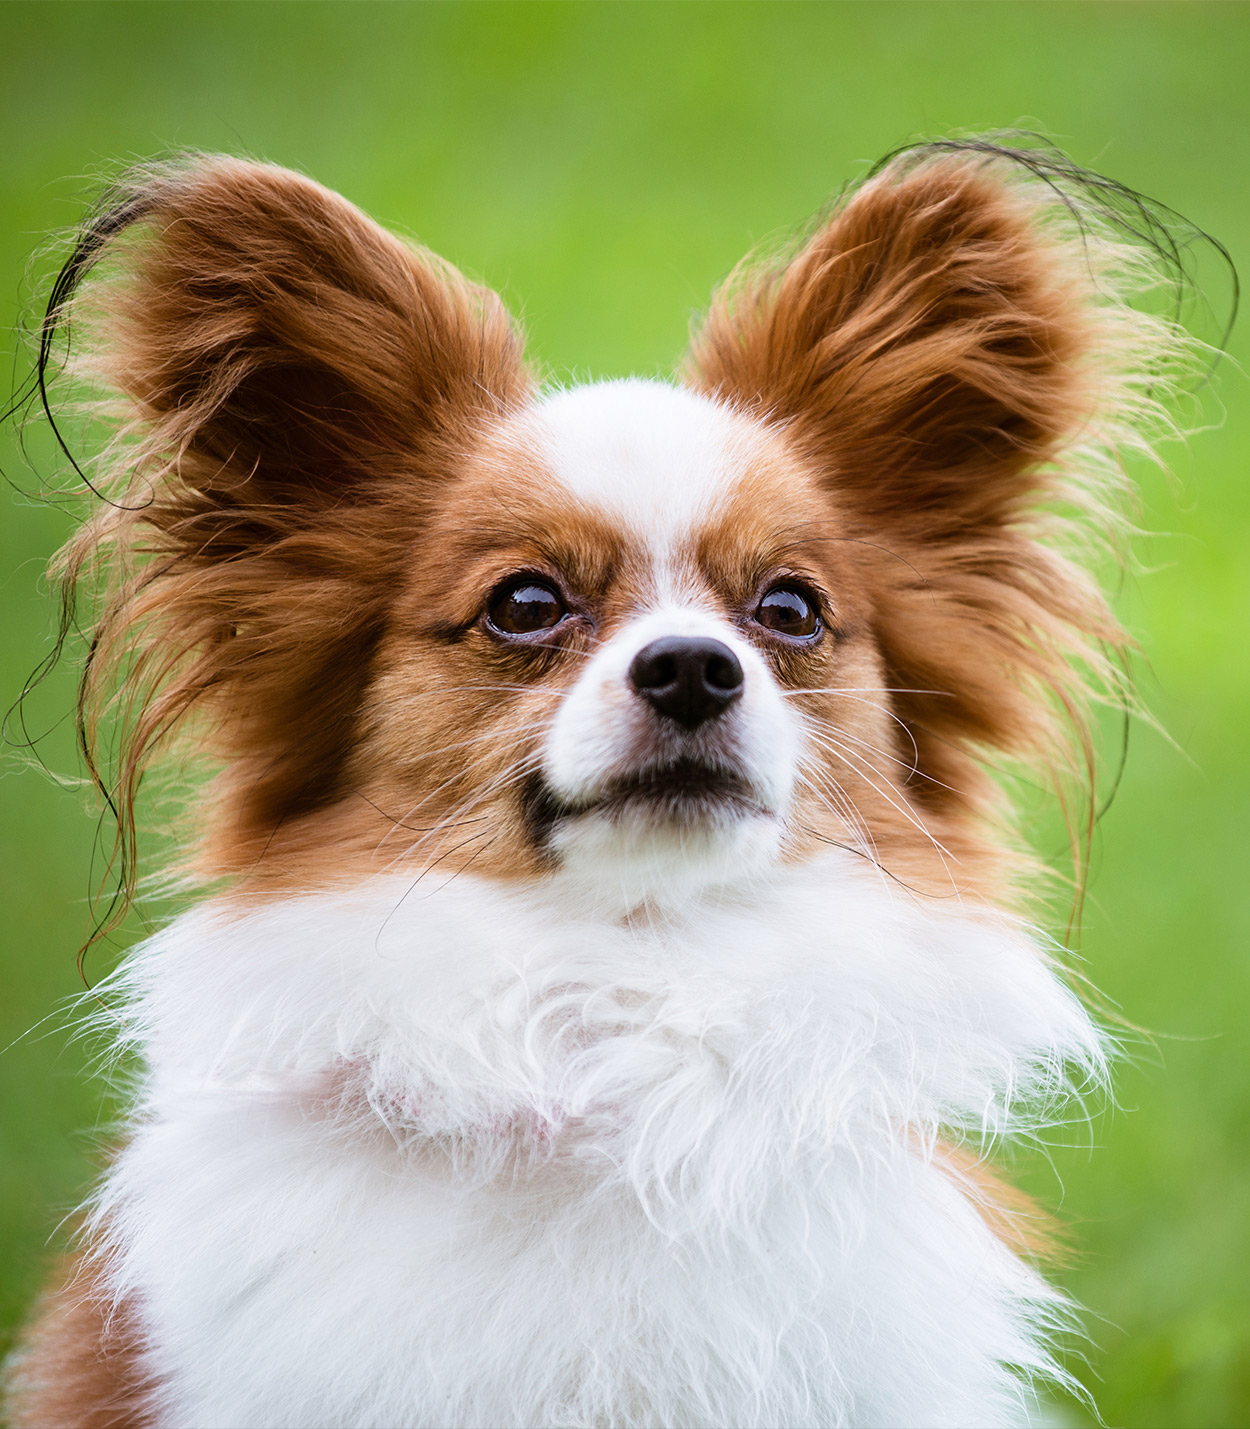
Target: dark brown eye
788,611
525,607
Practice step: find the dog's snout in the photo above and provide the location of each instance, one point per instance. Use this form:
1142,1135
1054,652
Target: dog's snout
686,679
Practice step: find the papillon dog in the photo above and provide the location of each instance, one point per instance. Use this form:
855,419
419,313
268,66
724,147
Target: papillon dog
613,962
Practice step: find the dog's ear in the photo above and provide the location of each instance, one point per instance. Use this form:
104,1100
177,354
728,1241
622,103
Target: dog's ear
288,350
295,385
923,347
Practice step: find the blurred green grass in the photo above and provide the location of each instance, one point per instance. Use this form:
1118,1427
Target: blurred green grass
604,164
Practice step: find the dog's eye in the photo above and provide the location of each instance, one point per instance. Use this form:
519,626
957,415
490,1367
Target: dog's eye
788,611
524,607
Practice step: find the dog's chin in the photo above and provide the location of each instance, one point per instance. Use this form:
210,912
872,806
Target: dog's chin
665,829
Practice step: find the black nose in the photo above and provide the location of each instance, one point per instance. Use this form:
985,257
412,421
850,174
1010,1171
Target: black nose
685,679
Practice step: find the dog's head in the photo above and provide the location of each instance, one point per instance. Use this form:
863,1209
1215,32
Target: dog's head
641,637
654,635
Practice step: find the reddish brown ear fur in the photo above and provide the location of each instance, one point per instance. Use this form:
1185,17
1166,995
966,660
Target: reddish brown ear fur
281,358
923,347
944,351
273,335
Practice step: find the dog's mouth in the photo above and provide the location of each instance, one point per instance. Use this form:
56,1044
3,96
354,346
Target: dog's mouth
684,791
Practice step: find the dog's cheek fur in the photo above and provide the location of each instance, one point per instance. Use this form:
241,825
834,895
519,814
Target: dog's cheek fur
449,737
864,783
454,719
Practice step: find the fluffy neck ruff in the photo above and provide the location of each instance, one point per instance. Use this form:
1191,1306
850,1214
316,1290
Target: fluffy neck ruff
713,1132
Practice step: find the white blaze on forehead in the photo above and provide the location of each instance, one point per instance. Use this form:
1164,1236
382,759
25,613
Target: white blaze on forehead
660,458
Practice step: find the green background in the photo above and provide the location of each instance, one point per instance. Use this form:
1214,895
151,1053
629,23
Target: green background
604,165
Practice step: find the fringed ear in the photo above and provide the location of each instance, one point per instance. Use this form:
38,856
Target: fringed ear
951,353
296,385
929,346
277,341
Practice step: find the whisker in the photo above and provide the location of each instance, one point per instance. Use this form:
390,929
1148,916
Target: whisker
912,768
859,853
481,848
473,764
867,690
843,807
828,725
889,713
857,822
847,755
485,737
482,689
403,897
399,823
515,771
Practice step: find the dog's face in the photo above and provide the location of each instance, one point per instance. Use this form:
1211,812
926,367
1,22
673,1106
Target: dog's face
633,639
653,635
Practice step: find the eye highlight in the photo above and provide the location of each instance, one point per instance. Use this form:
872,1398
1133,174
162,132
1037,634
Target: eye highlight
525,606
787,610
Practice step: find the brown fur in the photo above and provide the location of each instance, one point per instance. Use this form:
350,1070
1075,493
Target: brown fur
321,421
866,786
1014,1217
446,732
80,1366
325,469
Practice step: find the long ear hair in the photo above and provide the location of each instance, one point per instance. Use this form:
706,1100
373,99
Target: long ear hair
953,348
289,386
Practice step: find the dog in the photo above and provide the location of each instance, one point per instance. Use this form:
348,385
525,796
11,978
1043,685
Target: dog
612,964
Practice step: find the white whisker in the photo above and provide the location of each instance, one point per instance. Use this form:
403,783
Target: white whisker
849,755
866,690
447,783
504,779
844,809
912,768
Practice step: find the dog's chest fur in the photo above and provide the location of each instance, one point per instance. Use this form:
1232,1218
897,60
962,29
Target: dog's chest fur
480,1158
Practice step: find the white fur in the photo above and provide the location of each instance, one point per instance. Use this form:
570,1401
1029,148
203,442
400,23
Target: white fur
478,1157
591,737
657,458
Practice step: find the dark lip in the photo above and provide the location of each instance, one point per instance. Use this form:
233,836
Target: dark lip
679,792
685,788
